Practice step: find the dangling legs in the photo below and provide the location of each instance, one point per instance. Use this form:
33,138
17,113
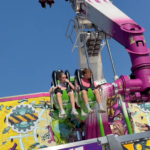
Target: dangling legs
58,95
71,95
98,99
62,112
85,99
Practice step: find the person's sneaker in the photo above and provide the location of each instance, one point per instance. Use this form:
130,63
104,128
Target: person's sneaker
62,114
74,112
90,111
101,110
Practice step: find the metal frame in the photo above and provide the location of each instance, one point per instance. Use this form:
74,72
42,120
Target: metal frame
74,45
52,98
115,143
102,45
71,31
131,138
87,57
112,63
78,35
102,139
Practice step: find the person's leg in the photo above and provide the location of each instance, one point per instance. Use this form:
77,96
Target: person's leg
98,99
84,96
58,95
70,94
97,95
72,100
85,99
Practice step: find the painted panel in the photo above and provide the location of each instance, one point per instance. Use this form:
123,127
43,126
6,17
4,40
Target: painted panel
26,124
139,116
140,145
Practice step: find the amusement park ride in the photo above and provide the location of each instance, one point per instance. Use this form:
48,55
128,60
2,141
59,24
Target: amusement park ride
107,22
95,23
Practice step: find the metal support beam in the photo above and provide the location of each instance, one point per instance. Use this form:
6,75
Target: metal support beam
112,142
103,140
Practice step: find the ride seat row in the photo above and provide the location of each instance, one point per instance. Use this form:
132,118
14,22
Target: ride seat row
78,97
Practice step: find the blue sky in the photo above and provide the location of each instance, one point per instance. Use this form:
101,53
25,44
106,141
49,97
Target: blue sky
33,44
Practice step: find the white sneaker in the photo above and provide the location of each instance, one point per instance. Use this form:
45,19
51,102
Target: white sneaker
101,110
62,114
90,111
83,114
74,112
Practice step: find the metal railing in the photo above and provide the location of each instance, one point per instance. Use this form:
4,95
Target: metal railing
109,142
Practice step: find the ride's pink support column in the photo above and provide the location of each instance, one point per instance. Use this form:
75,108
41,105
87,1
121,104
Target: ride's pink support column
139,53
137,88
129,88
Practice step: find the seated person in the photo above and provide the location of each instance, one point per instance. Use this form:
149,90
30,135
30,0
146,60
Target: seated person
58,91
86,83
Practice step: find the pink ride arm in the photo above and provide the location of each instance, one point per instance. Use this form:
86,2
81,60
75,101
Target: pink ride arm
124,30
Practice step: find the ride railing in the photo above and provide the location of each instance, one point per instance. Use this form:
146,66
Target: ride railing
109,142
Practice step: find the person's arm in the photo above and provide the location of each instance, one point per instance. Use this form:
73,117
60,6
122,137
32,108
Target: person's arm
71,85
97,86
50,90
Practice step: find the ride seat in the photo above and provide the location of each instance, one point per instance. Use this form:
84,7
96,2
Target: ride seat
79,75
55,76
91,97
65,98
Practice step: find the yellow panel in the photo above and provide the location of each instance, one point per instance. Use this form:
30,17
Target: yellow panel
129,146
25,141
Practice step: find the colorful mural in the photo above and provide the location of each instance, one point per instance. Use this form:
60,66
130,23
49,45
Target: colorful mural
115,116
27,124
139,116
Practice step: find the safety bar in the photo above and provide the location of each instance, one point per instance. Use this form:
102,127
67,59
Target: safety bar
51,98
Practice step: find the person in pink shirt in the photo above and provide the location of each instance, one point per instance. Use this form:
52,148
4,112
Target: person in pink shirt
87,73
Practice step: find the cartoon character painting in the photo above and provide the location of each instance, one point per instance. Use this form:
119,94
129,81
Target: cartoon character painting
115,116
138,114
